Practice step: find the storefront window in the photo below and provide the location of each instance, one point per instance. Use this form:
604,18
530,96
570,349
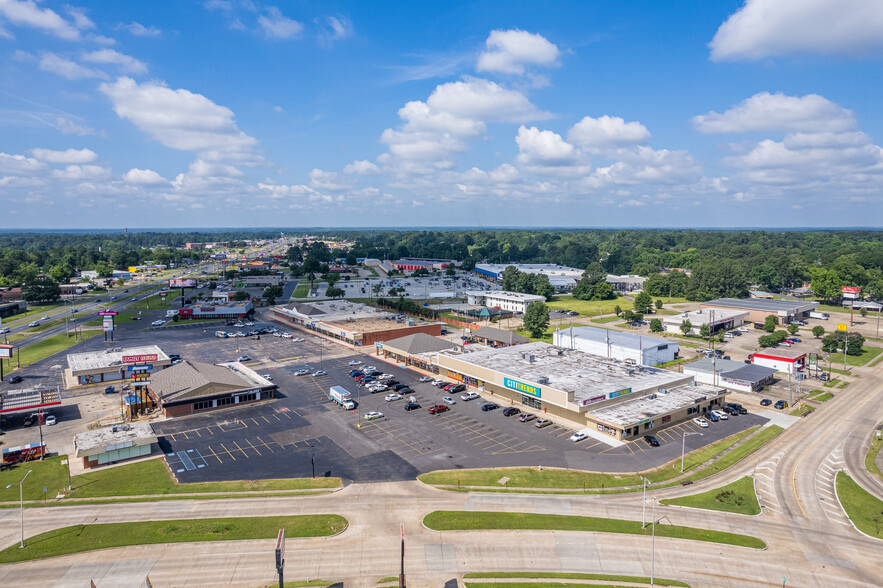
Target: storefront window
531,402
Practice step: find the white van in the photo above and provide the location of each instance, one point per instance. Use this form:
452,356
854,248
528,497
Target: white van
221,334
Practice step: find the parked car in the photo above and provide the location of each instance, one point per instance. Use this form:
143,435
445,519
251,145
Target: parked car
412,406
578,436
651,440
318,373
392,397
134,318
738,407
766,402
50,420
405,390
527,417
369,416
701,422
542,423
399,387
438,408
423,379
489,406
712,417
824,376
243,358
449,400
301,372
468,396
267,377
730,411
437,383
510,411
781,404
16,380
355,362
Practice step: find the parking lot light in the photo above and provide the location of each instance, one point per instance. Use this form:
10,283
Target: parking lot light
684,446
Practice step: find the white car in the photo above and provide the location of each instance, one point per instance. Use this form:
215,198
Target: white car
267,377
45,318
372,415
277,334
392,397
34,324
301,372
701,422
238,325
378,388
721,415
51,420
355,362
369,368
385,377
468,396
285,335
448,400
249,324
425,379
437,382
158,323
743,330
298,340
578,436
319,373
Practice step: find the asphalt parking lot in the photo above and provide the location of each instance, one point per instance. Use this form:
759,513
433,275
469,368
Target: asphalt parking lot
289,436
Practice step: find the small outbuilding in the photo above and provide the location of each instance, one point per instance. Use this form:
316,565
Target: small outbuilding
731,374
114,444
498,337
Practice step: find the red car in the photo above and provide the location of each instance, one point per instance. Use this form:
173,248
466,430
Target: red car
438,408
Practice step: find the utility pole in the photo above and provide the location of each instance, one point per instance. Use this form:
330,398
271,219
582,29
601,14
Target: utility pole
653,546
402,568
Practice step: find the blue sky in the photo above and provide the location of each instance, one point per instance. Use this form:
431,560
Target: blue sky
239,113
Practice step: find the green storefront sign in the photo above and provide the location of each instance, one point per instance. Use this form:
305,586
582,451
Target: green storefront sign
522,387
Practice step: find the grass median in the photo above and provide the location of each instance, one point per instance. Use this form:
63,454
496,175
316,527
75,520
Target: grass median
863,509
80,538
868,353
871,457
738,497
49,346
572,576
150,477
441,520
574,479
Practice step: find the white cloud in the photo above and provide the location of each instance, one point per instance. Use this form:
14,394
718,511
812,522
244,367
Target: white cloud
70,127
510,51
19,164
180,119
81,21
67,156
139,30
336,29
29,14
278,26
778,112
419,117
481,99
769,28
124,62
361,167
642,165
607,131
204,169
81,172
52,63
325,180
544,146
144,177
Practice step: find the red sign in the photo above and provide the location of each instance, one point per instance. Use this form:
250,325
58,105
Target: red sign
107,313
139,358
850,290
163,294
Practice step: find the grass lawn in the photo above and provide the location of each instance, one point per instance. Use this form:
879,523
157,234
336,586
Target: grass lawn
156,302
802,409
871,457
864,509
606,319
301,291
830,308
843,385
738,453
570,576
546,338
32,310
79,538
574,479
50,473
738,497
468,521
868,353
50,346
823,397
831,383
588,307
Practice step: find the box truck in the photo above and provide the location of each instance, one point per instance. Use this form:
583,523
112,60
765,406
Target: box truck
818,315
342,397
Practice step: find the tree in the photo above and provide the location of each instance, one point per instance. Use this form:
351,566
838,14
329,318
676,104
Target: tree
121,282
643,303
41,290
212,285
240,296
536,319
586,288
770,323
826,283
704,331
617,310
658,304
332,278
839,339
792,329
450,271
863,311
271,293
629,316
655,325
351,258
686,327
334,292
818,331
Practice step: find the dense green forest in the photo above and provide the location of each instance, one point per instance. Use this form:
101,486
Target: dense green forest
721,262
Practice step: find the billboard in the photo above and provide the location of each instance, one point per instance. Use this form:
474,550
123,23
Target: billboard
5,351
850,292
139,358
182,283
107,313
108,324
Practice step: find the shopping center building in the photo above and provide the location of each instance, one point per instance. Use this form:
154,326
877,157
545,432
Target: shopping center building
112,365
602,395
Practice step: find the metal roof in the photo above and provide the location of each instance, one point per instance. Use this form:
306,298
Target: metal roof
617,338
763,304
419,343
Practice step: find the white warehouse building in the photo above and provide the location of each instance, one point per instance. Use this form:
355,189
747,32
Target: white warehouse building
617,345
717,319
511,301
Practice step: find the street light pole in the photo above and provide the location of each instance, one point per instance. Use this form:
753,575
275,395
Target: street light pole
684,447
653,546
644,504
21,505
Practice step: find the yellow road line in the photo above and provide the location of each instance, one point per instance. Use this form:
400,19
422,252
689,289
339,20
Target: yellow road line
253,447
228,452
240,448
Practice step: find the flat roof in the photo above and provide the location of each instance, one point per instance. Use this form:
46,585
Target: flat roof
111,358
29,400
633,411
330,311
704,316
585,375
618,338
504,295
550,269
374,324
779,352
763,304
111,438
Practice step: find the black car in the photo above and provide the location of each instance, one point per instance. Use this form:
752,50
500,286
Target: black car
489,406
651,440
391,383
737,407
458,388
398,387
412,406
711,416
510,411
781,404
15,380
766,402
405,390
174,356
730,411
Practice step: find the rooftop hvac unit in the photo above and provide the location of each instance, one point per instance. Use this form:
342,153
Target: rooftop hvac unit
663,391
651,397
542,380
531,358
692,382
630,372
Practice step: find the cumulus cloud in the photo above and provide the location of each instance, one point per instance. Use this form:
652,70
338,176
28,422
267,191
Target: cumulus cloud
66,156
179,119
477,98
139,30
122,61
52,63
27,13
144,177
778,112
278,26
361,167
81,172
19,164
607,131
769,28
510,51
81,21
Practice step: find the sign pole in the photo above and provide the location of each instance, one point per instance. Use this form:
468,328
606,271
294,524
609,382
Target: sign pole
280,556
402,569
